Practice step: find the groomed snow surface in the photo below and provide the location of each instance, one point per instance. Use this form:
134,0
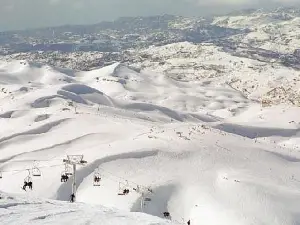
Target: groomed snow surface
22,210
208,154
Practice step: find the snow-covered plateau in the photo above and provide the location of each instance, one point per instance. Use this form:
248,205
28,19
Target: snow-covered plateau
200,151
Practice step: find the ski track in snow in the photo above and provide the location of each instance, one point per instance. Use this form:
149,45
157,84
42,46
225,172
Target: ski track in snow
203,160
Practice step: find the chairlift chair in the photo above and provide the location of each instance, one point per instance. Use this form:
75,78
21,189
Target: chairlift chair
147,199
27,181
123,188
83,161
166,214
68,170
28,178
97,178
149,189
35,170
137,189
64,177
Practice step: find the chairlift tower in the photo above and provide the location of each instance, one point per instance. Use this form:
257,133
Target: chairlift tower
142,202
74,160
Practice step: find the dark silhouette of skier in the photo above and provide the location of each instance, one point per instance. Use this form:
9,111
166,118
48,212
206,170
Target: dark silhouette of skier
72,198
64,178
189,222
27,184
97,179
166,214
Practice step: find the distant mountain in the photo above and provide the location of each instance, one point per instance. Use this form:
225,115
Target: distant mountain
121,34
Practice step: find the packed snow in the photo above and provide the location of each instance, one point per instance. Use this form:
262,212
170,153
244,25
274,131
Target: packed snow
25,211
200,151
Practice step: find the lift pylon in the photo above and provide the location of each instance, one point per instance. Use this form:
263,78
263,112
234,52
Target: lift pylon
74,160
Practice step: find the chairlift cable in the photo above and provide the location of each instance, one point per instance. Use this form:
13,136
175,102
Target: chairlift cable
22,170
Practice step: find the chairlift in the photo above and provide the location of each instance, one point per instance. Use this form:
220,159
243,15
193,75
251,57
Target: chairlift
83,161
64,177
35,170
123,188
68,170
28,178
166,214
137,189
27,181
97,178
147,199
149,189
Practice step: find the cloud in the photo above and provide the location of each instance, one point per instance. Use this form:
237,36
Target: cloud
78,5
244,3
8,7
54,2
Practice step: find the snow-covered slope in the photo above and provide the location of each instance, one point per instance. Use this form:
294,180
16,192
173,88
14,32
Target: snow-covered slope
27,211
258,80
209,154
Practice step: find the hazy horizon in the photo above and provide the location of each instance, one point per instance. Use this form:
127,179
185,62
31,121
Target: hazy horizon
26,14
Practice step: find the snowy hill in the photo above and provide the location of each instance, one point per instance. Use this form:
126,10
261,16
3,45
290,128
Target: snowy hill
200,151
22,210
255,78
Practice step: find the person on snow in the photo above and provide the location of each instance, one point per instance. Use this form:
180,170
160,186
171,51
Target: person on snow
72,197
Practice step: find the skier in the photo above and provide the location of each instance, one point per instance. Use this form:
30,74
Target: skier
24,186
72,198
166,214
30,185
27,184
64,178
189,222
97,179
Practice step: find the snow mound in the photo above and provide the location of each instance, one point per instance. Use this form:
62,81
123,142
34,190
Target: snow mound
44,102
82,93
42,117
79,89
6,114
23,72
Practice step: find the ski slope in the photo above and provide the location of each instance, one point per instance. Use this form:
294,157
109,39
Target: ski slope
22,210
209,154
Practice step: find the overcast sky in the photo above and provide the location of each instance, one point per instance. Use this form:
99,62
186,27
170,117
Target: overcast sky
21,14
